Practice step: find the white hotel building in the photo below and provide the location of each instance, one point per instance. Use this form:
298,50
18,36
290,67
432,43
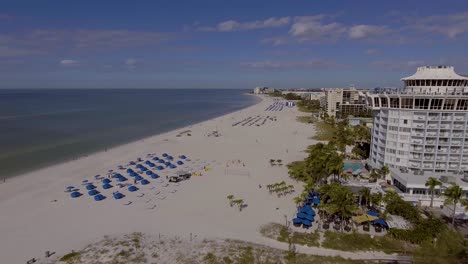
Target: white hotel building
421,131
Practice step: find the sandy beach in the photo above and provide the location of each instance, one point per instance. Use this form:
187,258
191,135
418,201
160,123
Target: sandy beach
39,215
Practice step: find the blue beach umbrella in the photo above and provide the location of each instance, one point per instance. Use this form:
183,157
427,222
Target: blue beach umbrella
161,161
307,223
149,172
132,188
172,166
145,182
167,163
70,187
106,186
90,187
155,158
154,176
182,157
99,197
129,170
165,155
118,195
170,158
138,178
180,162
297,221
106,181
75,194
160,168
93,192
122,179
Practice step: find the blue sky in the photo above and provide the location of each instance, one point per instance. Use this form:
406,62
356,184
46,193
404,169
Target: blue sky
226,44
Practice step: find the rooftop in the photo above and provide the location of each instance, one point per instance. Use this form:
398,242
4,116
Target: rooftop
412,180
435,73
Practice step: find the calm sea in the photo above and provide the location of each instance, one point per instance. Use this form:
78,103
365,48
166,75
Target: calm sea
44,127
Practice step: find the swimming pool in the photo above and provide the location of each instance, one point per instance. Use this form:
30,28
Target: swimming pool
353,166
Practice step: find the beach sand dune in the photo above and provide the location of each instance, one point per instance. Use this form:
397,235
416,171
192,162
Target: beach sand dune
38,215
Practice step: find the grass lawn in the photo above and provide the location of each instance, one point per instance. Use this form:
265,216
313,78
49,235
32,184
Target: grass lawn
364,242
280,233
325,131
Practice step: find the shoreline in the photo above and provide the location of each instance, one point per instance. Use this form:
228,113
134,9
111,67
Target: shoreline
38,216
6,179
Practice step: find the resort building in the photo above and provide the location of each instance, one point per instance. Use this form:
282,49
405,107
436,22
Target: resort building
340,103
421,130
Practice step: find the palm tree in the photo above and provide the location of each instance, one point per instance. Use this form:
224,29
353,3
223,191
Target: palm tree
383,171
341,202
365,194
230,198
432,183
453,195
240,203
376,199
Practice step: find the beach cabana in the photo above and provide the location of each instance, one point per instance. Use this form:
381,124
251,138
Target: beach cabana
154,176
165,155
316,200
129,170
180,163
182,157
170,158
69,188
93,192
149,172
118,195
106,186
106,181
161,161
155,158
145,182
99,197
167,163
90,187
160,168
172,166
75,194
122,179
305,216
373,213
132,188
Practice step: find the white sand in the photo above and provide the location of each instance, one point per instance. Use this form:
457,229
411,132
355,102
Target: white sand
31,224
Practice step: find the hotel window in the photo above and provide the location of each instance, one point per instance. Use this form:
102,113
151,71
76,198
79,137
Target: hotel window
439,82
384,102
394,102
436,103
421,103
445,83
376,102
449,104
462,104
406,102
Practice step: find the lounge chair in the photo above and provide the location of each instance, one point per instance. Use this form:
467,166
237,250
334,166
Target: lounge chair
128,203
141,195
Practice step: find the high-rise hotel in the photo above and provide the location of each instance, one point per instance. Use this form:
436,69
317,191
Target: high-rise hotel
421,130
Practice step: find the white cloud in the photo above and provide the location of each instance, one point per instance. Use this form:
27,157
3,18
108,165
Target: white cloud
371,51
312,28
451,25
275,41
68,62
367,31
233,25
272,65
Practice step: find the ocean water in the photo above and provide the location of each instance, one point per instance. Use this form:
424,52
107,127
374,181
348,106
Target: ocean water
43,127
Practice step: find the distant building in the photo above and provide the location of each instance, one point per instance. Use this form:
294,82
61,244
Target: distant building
340,102
263,90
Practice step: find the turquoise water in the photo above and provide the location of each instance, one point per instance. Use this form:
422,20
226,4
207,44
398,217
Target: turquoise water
353,166
44,127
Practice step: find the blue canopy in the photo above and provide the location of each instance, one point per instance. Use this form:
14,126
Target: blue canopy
70,187
170,158
97,176
144,182
118,195
297,221
90,187
93,192
182,157
118,175
307,222
180,162
373,213
84,181
138,178
172,166
305,216
151,164
139,165
160,168
161,161
149,172
106,181
155,158
316,200
132,188
129,170
147,162
133,174
167,163
154,176
99,197
381,222
75,194
165,155
106,186
307,211
143,169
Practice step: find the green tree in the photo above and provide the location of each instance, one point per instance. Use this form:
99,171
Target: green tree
365,194
453,196
376,199
384,171
432,183
341,202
